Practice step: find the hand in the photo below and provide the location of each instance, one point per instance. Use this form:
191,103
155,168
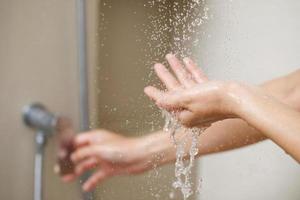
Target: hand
109,154
194,99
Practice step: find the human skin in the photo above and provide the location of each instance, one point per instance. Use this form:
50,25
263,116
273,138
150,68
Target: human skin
119,155
196,101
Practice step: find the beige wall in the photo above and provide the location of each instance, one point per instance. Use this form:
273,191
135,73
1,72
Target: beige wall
38,62
251,41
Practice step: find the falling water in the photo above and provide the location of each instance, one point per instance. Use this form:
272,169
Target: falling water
183,170
171,26
176,28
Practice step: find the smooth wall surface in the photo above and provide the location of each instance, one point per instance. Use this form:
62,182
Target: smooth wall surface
38,62
251,41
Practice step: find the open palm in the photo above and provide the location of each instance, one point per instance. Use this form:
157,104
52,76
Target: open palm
190,96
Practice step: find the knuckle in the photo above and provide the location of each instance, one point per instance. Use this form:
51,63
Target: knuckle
95,150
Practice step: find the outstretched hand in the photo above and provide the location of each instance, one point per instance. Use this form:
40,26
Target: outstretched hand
107,154
190,96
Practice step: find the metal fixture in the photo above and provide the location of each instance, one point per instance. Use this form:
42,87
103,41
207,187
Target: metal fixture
36,116
83,77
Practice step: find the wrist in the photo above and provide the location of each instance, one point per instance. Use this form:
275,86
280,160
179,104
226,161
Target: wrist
237,98
157,149
245,99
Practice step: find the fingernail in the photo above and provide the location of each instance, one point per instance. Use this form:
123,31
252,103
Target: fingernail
187,60
169,55
56,169
85,187
157,65
68,178
146,89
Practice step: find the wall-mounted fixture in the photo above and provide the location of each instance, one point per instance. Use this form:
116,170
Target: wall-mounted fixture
45,123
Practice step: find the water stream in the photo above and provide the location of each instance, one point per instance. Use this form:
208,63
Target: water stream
186,149
181,21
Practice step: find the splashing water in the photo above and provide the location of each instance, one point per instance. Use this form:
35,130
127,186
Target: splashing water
173,26
176,28
183,171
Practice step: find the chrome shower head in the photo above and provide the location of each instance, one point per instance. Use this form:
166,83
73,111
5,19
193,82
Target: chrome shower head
38,117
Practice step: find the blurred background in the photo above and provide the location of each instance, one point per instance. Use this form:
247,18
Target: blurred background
44,47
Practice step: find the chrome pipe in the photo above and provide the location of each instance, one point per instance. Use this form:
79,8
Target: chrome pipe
37,117
40,140
83,71
83,78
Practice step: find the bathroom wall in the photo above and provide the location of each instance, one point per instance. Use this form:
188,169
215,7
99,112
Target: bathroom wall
38,62
250,41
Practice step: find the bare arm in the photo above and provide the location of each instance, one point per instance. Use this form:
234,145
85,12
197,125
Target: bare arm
231,133
277,121
197,101
117,155
234,133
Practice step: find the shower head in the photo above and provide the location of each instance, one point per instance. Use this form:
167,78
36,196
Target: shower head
36,116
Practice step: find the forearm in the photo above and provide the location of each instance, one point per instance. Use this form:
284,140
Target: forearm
232,133
158,148
277,121
235,133
221,136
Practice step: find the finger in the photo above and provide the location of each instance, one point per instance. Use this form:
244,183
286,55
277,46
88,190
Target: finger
197,73
170,102
95,179
83,139
68,178
86,165
166,77
93,137
88,138
83,153
186,118
56,169
65,178
153,93
182,74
